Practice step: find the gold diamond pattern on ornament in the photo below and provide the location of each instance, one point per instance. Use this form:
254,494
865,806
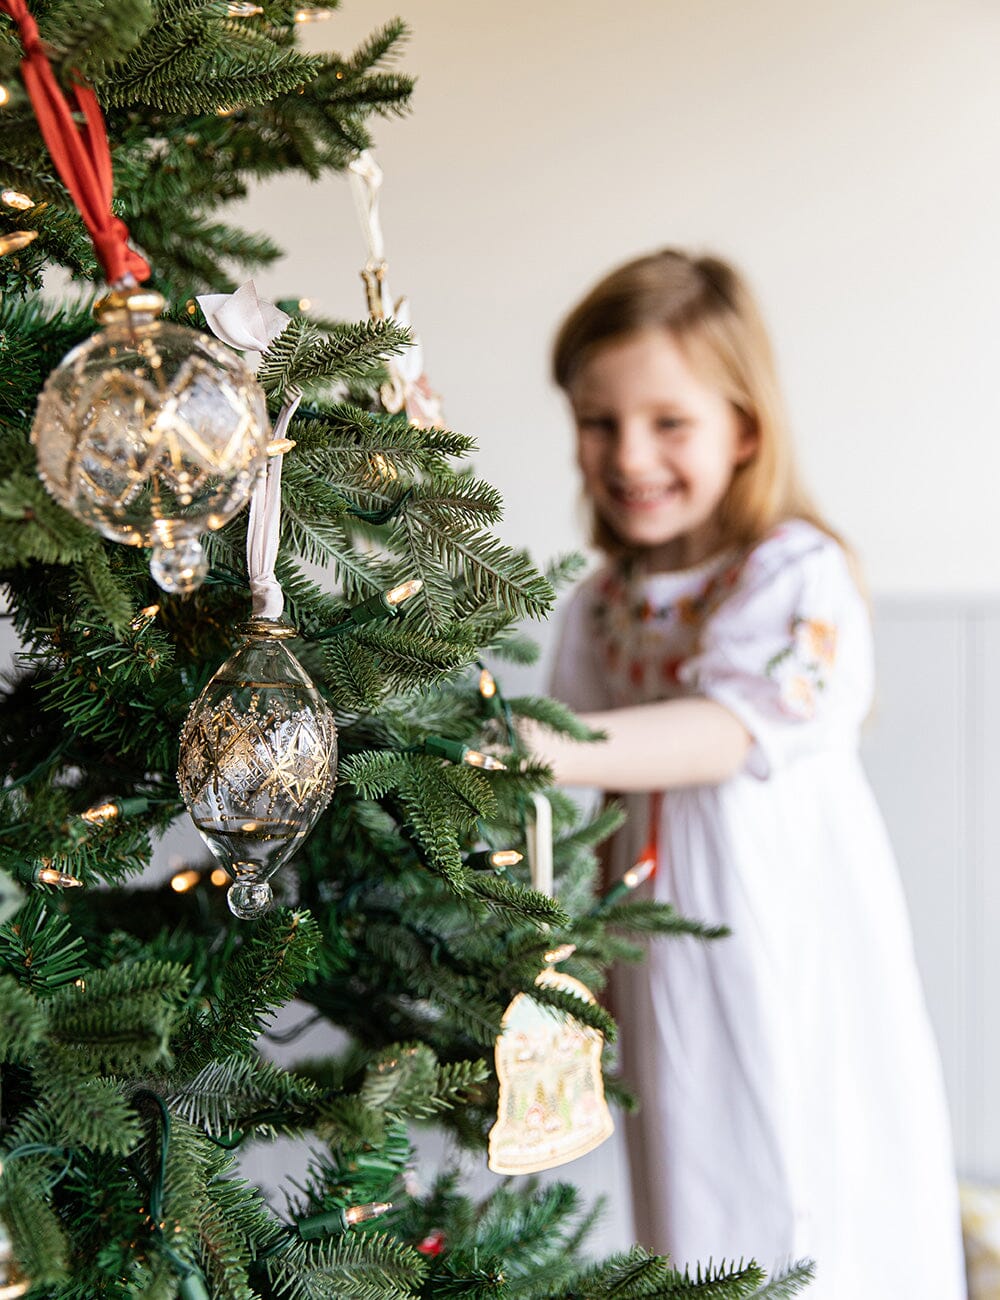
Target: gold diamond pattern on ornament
107,459
134,437
257,764
197,405
301,761
254,762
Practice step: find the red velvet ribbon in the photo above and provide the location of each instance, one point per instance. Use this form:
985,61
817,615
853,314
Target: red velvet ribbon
80,153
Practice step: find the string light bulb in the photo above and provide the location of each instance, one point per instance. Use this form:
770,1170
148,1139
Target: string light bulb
505,858
338,1221
101,814
312,15
375,607
382,467
182,881
455,752
305,304
4,96
144,617
15,240
642,870
498,860
396,595
49,875
219,876
487,684
15,199
632,879
355,1214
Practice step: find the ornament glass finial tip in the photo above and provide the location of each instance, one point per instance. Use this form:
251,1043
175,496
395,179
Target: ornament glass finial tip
249,899
258,761
181,568
152,434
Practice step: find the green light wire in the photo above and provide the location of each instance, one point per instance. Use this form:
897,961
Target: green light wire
189,1275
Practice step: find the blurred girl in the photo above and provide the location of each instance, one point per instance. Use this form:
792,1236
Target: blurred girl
791,1094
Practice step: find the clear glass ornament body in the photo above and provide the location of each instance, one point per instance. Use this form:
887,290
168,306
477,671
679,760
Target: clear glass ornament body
258,762
152,434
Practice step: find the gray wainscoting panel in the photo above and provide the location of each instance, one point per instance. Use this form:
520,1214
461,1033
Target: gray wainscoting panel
981,1041
933,756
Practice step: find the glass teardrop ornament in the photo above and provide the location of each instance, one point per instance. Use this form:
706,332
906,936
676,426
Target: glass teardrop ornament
258,762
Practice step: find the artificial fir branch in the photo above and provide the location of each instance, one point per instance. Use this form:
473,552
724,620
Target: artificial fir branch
787,1282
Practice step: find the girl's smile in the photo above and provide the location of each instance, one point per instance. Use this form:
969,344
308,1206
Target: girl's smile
657,447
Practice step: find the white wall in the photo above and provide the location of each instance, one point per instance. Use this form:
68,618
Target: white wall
845,153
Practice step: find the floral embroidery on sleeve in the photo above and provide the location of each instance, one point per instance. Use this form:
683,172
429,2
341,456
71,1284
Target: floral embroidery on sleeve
801,668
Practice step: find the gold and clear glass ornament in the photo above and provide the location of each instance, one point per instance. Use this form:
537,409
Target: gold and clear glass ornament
152,434
258,762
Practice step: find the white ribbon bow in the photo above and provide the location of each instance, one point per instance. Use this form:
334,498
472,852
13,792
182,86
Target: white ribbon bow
245,320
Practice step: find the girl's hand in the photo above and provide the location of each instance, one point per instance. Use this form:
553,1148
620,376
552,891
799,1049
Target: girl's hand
648,747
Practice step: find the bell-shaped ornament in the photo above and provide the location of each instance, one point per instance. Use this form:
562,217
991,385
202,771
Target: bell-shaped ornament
551,1107
152,434
258,762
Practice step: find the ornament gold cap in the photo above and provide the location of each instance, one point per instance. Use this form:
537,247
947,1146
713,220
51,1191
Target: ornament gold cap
270,629
131,305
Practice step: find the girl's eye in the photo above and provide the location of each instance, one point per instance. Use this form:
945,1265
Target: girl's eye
670,423
595,424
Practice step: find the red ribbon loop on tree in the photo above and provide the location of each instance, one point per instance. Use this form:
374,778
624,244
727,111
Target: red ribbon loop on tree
80,153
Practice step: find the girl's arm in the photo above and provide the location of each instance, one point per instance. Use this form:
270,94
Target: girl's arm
691,741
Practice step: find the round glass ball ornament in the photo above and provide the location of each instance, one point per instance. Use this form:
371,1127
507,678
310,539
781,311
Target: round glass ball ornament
152,434
258,762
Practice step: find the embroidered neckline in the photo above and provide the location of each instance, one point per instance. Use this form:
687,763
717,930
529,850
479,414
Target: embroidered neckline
670,577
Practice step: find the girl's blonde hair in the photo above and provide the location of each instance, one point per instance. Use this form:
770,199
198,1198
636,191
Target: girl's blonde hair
708,308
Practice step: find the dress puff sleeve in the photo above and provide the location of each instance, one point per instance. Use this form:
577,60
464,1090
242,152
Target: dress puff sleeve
788,650
576,677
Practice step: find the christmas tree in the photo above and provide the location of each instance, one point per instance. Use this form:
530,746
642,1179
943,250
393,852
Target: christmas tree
133,1016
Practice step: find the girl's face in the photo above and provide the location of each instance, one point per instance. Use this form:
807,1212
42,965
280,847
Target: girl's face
657,447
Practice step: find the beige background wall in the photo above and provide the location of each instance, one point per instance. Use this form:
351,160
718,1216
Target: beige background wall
846,153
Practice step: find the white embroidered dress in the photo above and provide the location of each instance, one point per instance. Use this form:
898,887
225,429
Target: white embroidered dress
791,1094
